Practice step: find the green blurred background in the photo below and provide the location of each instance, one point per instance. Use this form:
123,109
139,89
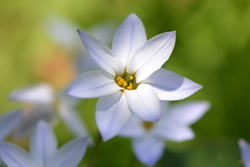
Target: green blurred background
212,49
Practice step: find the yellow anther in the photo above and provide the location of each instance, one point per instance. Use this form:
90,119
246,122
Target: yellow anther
130,87
147,125
123,89
124,84
120,82
131,78
119,78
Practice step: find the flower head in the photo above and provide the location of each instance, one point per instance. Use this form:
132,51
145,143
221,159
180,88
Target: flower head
245,152
43,102
132,80
148,137
43,151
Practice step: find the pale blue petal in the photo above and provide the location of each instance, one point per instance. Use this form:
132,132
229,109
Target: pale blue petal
151,56
171,86
148,149
173,131
128,38
40,93
8,123
43,143
30,119
112,114
144,102
70,155
101,54
245,152
15,156
187,113
134,128
93,84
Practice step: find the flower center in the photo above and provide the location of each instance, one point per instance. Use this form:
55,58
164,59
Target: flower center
127,81
147,125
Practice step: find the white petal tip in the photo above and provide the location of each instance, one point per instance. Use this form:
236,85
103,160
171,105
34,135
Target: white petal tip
242,142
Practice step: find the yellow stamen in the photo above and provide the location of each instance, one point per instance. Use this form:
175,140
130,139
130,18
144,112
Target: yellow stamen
120,82
131,78
124,84
123,89
119,78
130,87
147,125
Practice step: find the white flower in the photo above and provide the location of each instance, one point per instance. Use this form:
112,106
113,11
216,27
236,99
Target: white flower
148,137
43,151
132,80
43,104
245,152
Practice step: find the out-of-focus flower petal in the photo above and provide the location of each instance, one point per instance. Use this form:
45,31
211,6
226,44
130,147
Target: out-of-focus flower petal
151,56
63,32
8,123
70,155
188,112
148,149
112,114
171,86
245,152
144,102
128,38
134,128
43,143
30,119
101,54
72,119
14,156
93,84
173,131
41,93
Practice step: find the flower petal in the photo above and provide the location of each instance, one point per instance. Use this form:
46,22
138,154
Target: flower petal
187,113
173,131
8,123
134,128
30,119
15,156
148,149
72,119
93,84
43,143
152,55
144,102
70,154
171,86
41,93
63,32
128,38
112,114
245,152
101,54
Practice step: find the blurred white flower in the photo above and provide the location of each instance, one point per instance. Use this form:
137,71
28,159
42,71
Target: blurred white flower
148,137
64,33
132,80
8,122
245,152
43,151
45,104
